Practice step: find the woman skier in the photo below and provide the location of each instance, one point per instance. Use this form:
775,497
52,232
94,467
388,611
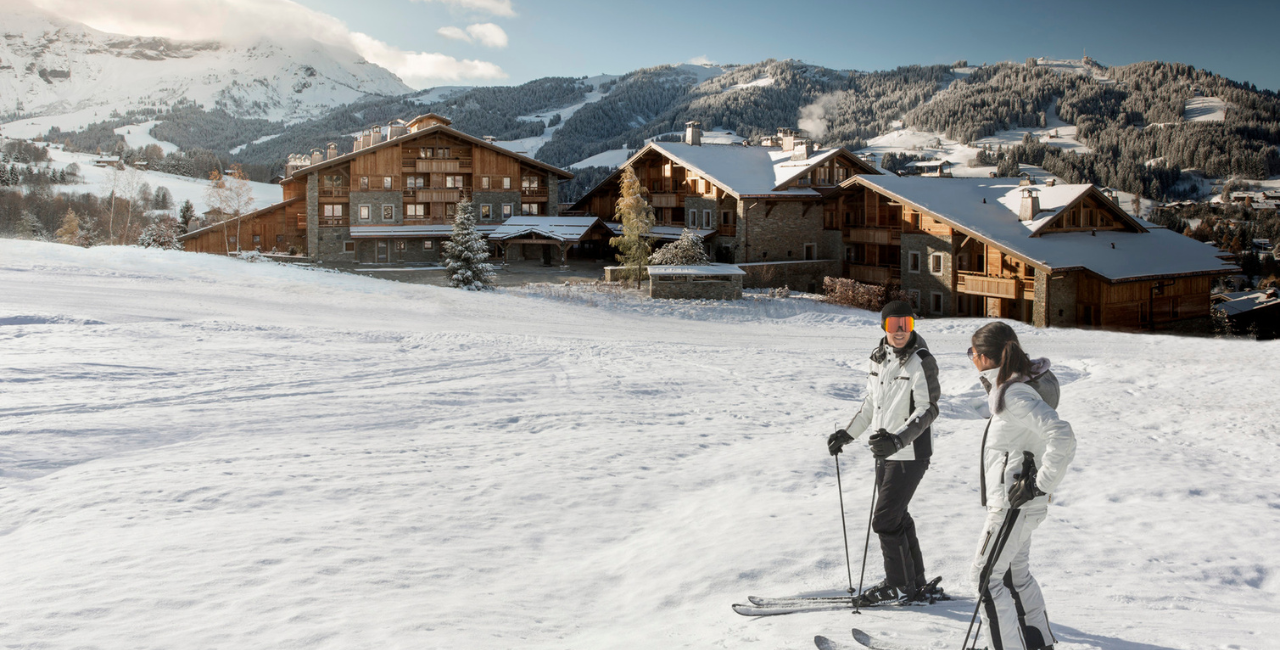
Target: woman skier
1025,453
901,403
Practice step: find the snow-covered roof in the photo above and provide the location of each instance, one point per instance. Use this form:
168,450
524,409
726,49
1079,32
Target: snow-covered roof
1114,255
561,228
439,230
746,171
689,269
1245,301
665,232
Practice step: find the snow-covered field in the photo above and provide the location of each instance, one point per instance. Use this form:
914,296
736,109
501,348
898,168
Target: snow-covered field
138,136
202,452
1205,109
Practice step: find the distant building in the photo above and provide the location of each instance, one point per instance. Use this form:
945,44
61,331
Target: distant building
1254,312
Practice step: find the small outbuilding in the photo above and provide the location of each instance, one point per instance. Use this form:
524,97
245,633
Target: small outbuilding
708,282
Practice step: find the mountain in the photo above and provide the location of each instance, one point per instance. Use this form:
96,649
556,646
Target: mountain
50,66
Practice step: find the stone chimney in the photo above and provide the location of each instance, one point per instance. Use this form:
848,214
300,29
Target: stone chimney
801,149
1030,204
332,151
366,139
693,133
316,157
1050,183
787,139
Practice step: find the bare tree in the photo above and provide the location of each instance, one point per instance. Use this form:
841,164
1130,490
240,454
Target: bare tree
232,195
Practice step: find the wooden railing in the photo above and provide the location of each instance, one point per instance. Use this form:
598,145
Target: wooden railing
727,231
533,192
437,195
341,192
665,200
873,236
330,221
981,285
873,274
447,165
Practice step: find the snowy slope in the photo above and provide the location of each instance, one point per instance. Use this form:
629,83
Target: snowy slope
51,66
203,452
530,146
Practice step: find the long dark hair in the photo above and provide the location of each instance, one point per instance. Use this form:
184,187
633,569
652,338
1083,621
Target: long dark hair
997,340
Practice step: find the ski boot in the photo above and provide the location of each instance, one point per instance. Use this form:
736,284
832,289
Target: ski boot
879,593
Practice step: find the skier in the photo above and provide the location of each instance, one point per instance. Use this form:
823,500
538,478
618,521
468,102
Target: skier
901,403
1025,453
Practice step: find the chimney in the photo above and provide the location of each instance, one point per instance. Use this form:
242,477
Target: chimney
1050,183
396,128
787,139
1030,204
490,139
693,133
366,139
801,149
316,157
333,151
377,134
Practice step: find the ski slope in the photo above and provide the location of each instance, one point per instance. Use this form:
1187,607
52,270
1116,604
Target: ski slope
204,452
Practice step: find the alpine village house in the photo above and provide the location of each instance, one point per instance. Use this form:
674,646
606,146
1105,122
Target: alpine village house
786,210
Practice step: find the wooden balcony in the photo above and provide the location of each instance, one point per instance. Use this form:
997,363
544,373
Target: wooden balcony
882,236
534,193
981,285
441,166
665,200
437,195
335,192
872,274
326,222
727,231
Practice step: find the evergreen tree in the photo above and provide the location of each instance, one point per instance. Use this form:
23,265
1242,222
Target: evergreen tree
637,222
466,251
185,214
686,250
162,199
69,233
161,234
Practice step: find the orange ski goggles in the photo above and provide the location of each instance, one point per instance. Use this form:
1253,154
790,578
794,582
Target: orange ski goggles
899,324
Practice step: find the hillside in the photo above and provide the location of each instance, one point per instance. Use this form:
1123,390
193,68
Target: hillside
341,462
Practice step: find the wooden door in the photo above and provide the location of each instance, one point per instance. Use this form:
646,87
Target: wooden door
381,256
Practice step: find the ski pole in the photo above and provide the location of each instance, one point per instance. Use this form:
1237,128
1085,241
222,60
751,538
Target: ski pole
875,490
984,578
844,528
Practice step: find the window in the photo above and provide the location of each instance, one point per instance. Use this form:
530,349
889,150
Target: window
529,208
453,182
1028,271
708,220
333,210
400,245
388,213
848,254
386,182
426,244
823,175
913,262
364,213
364,182
484,182
450,209
486,212
841,174
725,217
257,239
935,263
442,152
506,210
232,239
935,302
506,182
348,247
915,220
914,297
415,210
279,239
423,152
811,251
529,182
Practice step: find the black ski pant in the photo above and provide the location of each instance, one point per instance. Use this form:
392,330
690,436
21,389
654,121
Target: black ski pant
896,482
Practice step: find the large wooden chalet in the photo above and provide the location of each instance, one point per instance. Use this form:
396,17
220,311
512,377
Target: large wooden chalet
393,198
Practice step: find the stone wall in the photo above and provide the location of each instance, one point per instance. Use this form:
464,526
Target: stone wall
313,216
679,288
925,280
496,199
800,276
781,235
553,195
330,244
701,205
1059,310
375,201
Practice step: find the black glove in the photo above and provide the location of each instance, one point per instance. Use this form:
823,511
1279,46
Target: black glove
884,444
1024,486
837,441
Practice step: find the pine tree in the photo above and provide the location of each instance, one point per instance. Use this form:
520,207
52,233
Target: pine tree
637,222
161,234
185,214
69,233
466,251
686,250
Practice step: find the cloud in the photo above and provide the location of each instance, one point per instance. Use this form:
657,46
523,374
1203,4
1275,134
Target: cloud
701,60
487,34
495,7
241,21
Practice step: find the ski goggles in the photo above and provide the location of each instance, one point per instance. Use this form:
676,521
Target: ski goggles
899,324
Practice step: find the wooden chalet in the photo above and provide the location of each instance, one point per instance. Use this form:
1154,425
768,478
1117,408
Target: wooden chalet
393,198
759,206
274,228
1052,255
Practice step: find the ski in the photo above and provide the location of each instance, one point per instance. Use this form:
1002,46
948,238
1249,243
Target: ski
935,594
756,611
824,643
864,640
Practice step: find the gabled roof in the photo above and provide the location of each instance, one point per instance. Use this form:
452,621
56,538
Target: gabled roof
749,171
561,228
1247,301
248,215
666,233
438,128
1148,251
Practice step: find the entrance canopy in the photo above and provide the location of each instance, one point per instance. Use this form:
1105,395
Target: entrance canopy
439,230
668,233
560,229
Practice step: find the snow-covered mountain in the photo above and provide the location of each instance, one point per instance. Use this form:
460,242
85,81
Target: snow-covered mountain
53,66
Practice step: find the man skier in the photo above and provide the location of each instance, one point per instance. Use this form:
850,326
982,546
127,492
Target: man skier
901,404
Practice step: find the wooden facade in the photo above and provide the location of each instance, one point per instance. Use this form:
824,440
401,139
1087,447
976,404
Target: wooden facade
278,228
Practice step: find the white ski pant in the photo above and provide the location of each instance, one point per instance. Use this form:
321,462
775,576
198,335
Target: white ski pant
1012,606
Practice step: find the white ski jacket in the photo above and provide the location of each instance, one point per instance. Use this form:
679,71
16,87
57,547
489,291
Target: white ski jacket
902,397
1022,422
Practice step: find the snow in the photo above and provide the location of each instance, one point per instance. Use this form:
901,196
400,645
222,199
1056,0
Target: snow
238,148
138,136
530,146
184,188
616,157
1205,109
203,452
557,227
758,83
744,170
690,269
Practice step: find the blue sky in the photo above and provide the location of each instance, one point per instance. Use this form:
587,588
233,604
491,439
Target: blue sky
580,37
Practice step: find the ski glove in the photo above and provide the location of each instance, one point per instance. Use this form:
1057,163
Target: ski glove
1024,487
885,444
837,441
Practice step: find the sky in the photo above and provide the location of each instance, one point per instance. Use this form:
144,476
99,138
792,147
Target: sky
487,42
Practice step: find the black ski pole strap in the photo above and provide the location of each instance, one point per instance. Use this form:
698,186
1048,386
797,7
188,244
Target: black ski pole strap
982,465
